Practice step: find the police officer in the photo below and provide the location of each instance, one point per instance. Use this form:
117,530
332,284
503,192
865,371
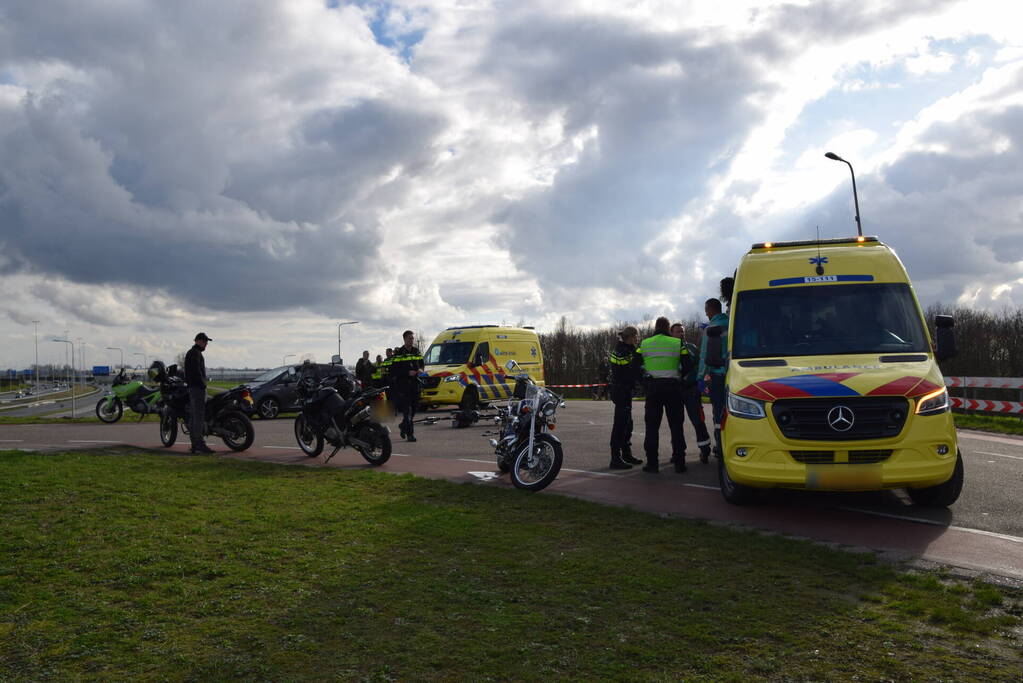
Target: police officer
691,397
195,378
665,361
405,366
626,369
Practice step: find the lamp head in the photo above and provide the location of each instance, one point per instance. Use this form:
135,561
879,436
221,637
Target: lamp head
832,155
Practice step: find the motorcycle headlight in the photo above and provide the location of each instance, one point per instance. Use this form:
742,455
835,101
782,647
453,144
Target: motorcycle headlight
749,408
548,409
933,403
451,378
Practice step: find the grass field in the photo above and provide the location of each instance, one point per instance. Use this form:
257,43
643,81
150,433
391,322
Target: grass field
989,423
125,565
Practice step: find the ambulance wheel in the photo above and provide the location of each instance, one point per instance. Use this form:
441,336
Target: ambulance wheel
942,495
470,399
736,494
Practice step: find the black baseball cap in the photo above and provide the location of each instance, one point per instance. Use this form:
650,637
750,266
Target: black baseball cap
202,335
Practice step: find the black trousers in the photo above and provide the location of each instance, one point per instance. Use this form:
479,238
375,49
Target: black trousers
405,402
621,428
197,406
694,409
663,397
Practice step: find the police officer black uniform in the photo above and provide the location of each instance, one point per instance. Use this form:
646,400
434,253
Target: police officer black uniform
195,378
626,369
404,368
665,361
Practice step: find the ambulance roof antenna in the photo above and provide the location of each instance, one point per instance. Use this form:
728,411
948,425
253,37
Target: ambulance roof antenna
820,261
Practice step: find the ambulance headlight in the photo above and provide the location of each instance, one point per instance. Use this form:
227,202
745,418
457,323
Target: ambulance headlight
749,408
451,378
933,403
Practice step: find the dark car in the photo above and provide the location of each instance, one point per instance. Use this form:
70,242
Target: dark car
273,392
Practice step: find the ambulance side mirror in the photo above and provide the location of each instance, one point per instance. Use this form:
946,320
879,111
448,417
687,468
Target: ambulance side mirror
714,357
945,342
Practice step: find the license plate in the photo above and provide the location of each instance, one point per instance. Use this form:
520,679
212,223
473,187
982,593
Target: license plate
843,477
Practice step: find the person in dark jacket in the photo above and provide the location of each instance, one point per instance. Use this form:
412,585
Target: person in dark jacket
195,377
692,397
626,369
405,366
364,370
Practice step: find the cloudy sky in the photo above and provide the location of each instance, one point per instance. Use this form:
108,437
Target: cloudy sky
264,170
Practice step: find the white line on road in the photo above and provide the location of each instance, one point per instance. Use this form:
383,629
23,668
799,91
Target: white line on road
921,520
11,440
1000,455
285,448
486,462
90,441
703,486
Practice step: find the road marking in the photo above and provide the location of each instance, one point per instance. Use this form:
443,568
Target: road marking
90,441
703,486
485,476
11,440
485,462
922,520
1000,455
285,448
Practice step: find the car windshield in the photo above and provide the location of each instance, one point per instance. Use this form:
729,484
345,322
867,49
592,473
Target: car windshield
449,353
827,319
270,374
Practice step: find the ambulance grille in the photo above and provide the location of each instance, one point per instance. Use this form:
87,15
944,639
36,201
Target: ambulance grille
873,417
868,457
813,457
430,382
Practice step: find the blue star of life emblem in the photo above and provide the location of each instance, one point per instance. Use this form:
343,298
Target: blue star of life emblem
818,260
532,351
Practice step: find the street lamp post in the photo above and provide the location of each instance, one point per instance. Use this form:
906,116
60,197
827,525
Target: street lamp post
351,322
117,348
856,200
36,323
72,344
145,359
284,361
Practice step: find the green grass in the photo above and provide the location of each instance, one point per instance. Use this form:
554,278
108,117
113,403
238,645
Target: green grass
120,565
989,423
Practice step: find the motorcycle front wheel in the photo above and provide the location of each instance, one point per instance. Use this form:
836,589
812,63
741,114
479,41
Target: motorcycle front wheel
379,439
168,428
238,432
308,439
535,471
109,410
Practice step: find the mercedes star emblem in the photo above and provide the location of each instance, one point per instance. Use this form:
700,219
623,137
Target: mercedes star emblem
840,418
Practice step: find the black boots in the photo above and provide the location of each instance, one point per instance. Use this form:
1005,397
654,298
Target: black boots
705,454
627,456
617,461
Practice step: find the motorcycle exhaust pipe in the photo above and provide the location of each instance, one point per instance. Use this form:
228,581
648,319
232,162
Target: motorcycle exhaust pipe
493,442
360,416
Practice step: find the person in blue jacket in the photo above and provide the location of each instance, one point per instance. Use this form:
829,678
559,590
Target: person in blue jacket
715,377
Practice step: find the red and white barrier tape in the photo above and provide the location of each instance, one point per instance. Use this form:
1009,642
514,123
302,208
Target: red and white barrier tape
574,386
985,382
987,406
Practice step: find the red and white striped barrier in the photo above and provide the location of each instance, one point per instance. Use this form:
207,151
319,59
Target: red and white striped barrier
985,382
1010,407
574,386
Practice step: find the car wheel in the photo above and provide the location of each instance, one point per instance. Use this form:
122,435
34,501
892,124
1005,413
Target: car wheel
269,408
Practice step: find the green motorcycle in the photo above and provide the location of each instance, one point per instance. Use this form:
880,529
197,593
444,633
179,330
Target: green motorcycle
131,393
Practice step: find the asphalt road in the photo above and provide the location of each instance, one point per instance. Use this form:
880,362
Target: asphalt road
992,498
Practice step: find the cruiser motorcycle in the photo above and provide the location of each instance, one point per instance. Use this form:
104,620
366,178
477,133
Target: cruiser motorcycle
336,411
225,414
524,446
124,392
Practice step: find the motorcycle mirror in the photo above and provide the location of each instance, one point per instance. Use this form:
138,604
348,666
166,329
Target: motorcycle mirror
511,364
335,359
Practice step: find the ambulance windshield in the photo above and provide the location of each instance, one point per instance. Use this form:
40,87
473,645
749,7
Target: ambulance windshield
449,353
819,320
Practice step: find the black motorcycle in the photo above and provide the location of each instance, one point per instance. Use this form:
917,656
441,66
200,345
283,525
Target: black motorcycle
337,411
225,414
525,447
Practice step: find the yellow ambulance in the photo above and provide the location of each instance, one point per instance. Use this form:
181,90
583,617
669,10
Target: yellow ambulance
470,366
832,377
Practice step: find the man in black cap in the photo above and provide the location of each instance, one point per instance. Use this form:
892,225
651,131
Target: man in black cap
195,377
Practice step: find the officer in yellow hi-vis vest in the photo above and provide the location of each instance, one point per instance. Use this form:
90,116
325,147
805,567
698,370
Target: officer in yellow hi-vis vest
665,360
